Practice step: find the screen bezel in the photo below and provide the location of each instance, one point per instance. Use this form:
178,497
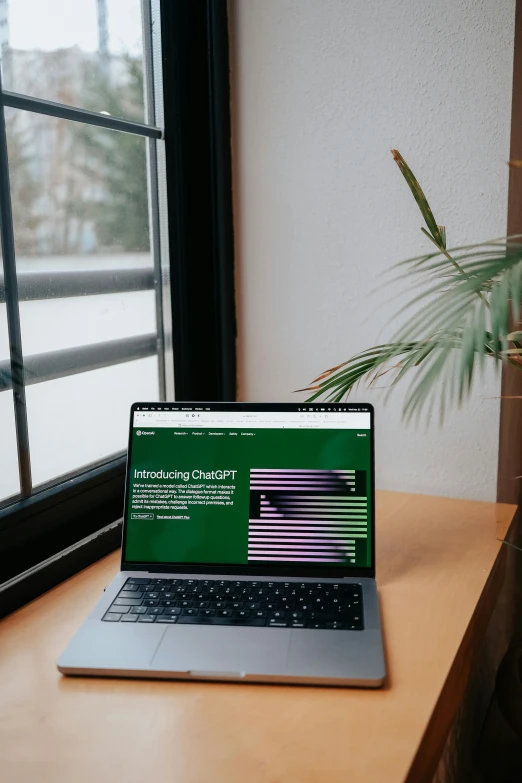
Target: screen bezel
244,569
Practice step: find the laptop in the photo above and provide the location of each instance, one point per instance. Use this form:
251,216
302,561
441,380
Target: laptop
248,550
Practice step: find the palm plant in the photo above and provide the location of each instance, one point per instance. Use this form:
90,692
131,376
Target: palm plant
465,310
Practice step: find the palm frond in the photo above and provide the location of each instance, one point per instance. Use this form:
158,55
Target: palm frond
390,358
447,316
467,299
435,232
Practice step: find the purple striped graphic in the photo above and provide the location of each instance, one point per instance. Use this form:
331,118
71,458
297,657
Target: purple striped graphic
305,515
305,537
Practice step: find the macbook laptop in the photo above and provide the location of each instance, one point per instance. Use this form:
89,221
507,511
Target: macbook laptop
248,549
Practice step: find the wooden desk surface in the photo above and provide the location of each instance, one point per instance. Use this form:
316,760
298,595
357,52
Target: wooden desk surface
439,571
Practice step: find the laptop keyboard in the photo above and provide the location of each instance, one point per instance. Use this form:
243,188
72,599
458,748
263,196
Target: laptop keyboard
228,602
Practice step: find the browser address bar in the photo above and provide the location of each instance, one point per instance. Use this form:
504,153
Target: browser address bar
258,421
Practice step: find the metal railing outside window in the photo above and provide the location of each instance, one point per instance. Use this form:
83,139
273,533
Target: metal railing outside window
85,288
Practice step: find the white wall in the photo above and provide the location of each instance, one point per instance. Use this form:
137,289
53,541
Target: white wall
322,89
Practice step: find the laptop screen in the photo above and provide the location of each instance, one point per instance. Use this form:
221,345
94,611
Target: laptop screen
250,485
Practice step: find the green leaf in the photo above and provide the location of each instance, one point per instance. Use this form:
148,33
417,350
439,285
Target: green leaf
422,202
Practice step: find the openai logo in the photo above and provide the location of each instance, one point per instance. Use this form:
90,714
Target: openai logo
138,432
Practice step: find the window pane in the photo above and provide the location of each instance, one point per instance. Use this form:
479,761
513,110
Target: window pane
81,419
9,479
80,204
89,319
86,53
77,190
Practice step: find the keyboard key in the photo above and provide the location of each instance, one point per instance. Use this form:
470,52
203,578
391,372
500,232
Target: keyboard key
130,588
167,619
189,612
128,593
138,610
325,617
127,602
204,620
258,613
277,623
241,613
129,618
120,609
167,603
186,604
224,613
112,617
150,602
140,581
207,612
146,618
170,611
151,595
155,610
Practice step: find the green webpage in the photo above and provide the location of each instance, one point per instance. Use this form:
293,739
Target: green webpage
249,496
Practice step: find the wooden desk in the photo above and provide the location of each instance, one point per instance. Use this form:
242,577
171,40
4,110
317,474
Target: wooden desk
439,572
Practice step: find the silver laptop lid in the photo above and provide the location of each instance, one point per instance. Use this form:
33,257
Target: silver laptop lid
249,488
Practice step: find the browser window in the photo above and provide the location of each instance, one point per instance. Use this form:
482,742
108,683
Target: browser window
250,487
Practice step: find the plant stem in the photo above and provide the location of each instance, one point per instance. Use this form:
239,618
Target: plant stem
455,264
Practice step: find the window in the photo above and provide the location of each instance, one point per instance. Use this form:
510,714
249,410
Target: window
80,234
115,179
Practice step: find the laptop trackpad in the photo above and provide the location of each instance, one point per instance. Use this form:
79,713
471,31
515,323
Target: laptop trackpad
222,649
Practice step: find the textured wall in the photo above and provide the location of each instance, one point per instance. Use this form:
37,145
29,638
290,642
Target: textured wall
321,90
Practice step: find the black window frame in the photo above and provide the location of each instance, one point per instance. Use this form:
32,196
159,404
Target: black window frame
57,531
